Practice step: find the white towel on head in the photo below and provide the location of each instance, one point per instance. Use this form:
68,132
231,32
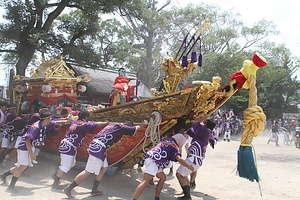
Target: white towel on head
180,139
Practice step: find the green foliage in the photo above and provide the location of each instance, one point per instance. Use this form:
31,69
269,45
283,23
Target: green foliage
33,25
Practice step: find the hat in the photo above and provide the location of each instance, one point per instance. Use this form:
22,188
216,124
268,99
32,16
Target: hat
83,114
44,113
259,60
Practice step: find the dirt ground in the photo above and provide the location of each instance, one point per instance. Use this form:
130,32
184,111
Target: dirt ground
278,167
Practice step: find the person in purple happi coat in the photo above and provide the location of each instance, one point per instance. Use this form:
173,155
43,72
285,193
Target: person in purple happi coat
97,162
33,138
228,128
8,140
157,159
72,141
200,132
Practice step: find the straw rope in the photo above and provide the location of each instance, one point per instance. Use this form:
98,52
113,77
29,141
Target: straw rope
254,116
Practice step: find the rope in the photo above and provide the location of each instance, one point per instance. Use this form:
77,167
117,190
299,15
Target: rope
254,119
254,116
152,130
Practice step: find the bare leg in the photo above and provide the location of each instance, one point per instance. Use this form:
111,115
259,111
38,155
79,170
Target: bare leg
101,174
7,173
140,188
59,173
2,151
81,176
17,172
160,184
193,176
2,154
182,180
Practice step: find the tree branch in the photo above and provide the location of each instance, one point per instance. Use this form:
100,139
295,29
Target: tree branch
7,51
53,15
69,5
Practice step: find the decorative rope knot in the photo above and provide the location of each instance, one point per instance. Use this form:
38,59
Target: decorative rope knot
254,116
253,123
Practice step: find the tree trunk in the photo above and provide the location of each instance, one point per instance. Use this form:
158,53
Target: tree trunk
147,73
25,56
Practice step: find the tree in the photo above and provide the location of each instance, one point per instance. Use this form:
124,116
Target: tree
278,90
144,18
30,21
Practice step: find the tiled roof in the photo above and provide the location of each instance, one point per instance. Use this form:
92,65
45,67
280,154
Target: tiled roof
102,80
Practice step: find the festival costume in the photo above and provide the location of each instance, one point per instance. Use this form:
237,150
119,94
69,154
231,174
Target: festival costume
8,139
108,136
34,118
200,138
72,141
159,157
37,135
228,127
274,134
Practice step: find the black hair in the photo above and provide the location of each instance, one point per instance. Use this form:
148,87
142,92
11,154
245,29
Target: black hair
44,113
181,124
10,105
25,112
3,103
128,122
121,68
83,114
210,124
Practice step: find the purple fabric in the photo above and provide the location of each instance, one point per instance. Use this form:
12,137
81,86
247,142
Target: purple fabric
9,117
13,128
228,126
199,133
37,134
200,138
75,136
108,136
164,152
34,118
7,125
